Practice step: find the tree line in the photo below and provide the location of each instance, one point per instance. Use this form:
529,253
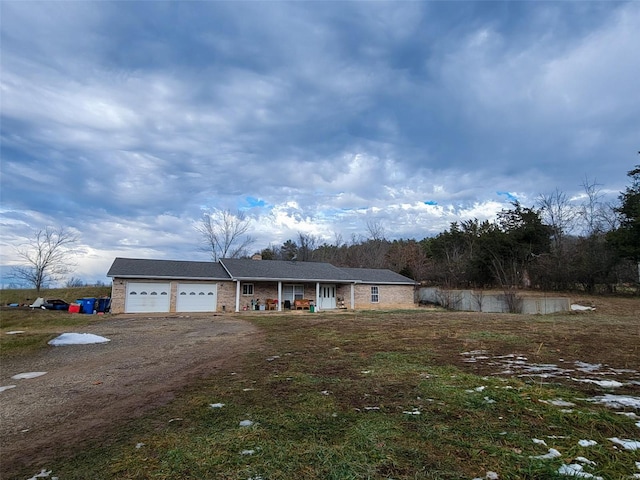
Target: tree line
556,244
553,245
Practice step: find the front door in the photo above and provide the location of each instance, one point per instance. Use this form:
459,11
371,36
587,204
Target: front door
327,297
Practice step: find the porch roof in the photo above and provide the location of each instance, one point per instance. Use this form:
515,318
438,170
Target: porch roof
279,270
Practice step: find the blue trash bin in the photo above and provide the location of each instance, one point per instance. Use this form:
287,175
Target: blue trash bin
103,304
88,305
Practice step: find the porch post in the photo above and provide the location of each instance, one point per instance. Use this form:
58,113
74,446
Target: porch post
317,302
353,297
237,295
279,296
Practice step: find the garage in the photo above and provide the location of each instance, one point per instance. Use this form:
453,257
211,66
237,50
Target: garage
196,297
147,297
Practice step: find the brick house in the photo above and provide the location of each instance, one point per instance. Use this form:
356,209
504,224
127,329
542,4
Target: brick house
141,285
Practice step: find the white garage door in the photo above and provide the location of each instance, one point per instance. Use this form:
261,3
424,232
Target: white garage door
147,297
197,297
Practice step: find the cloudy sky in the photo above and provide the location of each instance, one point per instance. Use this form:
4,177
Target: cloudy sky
126,120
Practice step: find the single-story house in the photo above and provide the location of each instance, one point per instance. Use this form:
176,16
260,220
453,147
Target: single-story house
141,285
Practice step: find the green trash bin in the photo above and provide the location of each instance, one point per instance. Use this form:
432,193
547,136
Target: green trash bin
312,308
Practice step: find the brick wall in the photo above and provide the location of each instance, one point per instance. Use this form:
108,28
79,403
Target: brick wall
389,296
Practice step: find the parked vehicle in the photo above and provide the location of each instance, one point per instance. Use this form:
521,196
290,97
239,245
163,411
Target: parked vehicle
55,304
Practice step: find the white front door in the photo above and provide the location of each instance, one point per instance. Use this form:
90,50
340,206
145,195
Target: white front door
147,297
327,297
196,297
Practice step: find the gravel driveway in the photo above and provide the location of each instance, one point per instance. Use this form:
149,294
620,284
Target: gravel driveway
89,388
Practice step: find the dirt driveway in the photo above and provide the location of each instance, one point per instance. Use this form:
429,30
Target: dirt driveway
89,388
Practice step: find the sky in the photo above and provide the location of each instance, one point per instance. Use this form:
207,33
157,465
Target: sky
125,121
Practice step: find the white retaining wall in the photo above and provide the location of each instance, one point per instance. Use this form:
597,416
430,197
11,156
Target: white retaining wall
472,301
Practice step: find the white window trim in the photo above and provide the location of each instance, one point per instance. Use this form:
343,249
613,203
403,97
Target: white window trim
245,287
375,295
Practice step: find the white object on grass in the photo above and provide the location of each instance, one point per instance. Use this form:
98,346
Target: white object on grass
77,339
23,376
575,470
627,444
553,453
587,443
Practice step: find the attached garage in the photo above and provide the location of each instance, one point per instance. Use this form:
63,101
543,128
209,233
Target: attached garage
169,286
197,297
147,297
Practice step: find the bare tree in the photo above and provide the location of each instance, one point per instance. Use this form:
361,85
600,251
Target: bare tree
46,257
74,282
559,214
593,210
224,233
307,244
376,231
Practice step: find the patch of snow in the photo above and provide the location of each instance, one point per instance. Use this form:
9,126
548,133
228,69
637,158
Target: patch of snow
575,470
587,443
139,445
537,441
43,474
600,383
587,367
558,402
365,372
77,339
7,387
584,460
553,453
627,444
247,452
415,411
617,401
216,405
477,389
14,332
581,308
325,392
23,376
372,408
628,414
489,476
489,400
246,423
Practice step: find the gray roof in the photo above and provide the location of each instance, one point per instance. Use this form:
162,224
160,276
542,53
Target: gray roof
377,275
244,269
144,268
251,270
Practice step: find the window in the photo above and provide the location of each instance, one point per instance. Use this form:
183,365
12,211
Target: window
247,288
375,297
292,292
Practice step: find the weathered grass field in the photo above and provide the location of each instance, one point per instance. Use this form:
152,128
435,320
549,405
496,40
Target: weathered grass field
420,394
